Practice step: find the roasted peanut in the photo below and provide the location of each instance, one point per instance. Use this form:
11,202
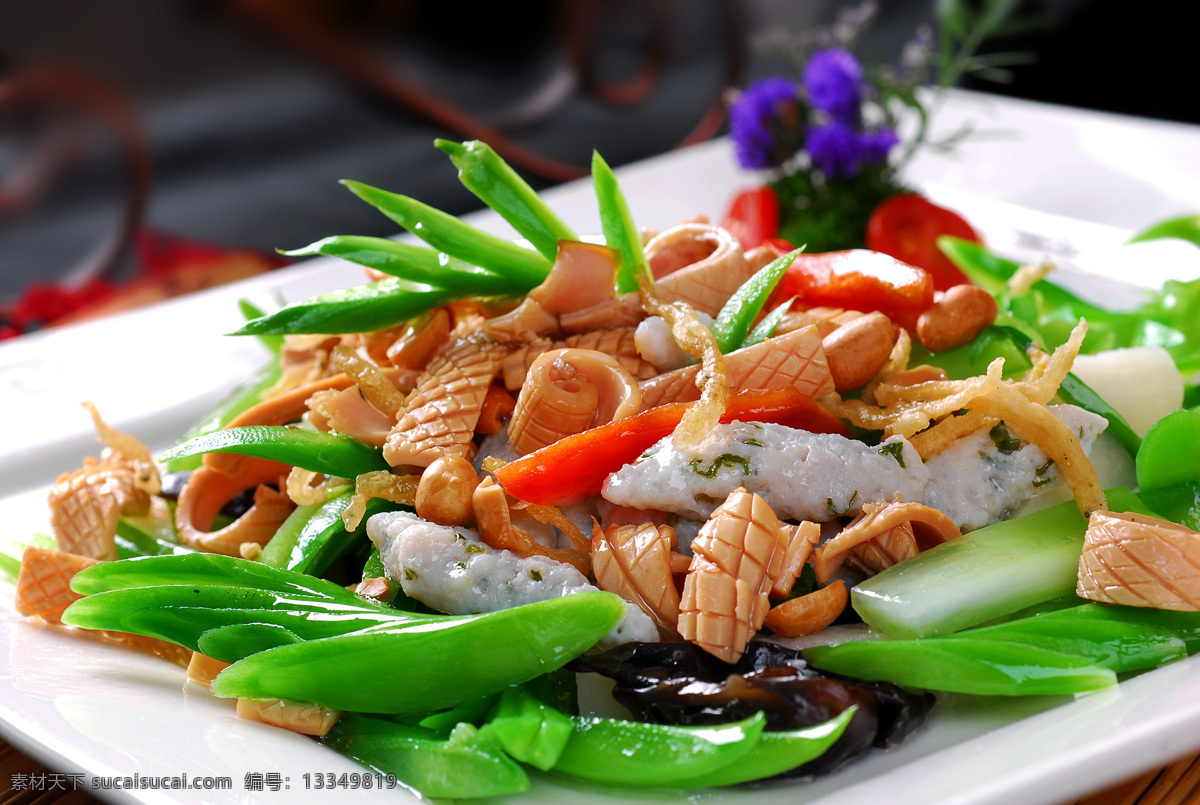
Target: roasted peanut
809,613
445,489
956,318
857,350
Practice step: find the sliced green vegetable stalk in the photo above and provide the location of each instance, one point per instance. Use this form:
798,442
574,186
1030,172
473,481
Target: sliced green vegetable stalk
422,667
620,233
984,575
1185,227
447,233
734,320
327,453
410,262
496,184
466,765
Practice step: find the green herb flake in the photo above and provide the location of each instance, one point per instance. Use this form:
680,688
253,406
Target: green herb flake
896,451
410,574
853,497
1042,474
730,460
474,547
1005,442
535,574
752,443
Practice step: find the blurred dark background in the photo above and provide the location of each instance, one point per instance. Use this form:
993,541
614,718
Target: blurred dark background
227,123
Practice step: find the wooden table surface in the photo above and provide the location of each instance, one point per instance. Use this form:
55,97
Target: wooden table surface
1175,784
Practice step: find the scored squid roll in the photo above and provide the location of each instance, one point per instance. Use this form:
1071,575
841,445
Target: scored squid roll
568,391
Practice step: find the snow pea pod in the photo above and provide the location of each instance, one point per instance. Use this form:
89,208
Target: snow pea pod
1179,503
425,667
204,569
327,453
1184,625
456,238
184,613
1185,227
778,752
1169,454
464,766
324,538
237,640
734,320
636,754
964,665
529,730
620,233
496,184
410,262
361,309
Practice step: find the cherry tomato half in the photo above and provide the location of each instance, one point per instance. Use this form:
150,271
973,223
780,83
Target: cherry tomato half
907,227
753,216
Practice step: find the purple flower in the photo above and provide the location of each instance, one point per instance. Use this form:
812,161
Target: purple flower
836,149
833,79
876,145
765,123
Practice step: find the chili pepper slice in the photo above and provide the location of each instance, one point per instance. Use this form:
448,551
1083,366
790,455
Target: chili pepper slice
858,279
575,467
753,216
417,668
327,453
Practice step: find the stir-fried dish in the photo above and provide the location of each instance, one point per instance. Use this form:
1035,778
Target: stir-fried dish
779,500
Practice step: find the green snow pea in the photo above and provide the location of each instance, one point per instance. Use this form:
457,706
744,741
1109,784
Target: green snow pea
204,569
182,614
734,320
1179,503
446,233
472,712
236,640
465,765
327,453
766,328
1184,625
1114,644
361,309
635,754
1170,453
320,537
777,752
496,184
409,262
1185,227
421,667
620,233
529,730
959,664
273,342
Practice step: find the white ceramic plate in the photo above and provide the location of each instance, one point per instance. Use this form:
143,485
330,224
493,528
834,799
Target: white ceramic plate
94,711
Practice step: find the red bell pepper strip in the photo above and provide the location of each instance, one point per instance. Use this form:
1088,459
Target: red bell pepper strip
858,279
574,468
753,216
907,226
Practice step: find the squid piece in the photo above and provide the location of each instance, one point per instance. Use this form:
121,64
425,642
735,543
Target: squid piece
618,343
347,412
207,492
85,505
801,539
528,321
796,359
737,556
302,717
582,276
928,527
568,391
636,562
439,417
44,591
699,264
1140,561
